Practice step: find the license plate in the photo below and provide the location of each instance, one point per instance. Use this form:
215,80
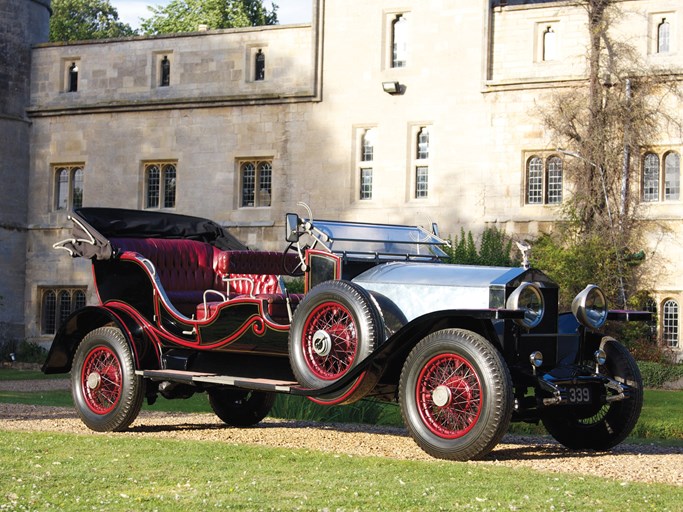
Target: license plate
579,395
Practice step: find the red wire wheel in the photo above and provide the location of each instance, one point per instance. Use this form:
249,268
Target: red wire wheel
456,394
330,341
334,328
106,390
449,396
102,380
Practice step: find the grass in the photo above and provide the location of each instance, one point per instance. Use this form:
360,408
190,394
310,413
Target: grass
43,471
660,420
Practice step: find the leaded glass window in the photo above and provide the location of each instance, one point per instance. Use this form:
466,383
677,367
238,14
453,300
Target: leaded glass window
421,182
366,183
670,323
256,183
672,176
534,181
68,187
650,177
160,185
57,304
423,144
554,180
399,39
368,146
663,37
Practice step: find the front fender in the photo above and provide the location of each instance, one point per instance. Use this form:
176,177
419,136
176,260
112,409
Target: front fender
81,322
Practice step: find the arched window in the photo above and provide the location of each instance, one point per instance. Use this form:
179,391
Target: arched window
73,78
399,40
554,180
670,323
165,72
160,182
255,174
62,197
368,145
549,44
650,177
672,176
77,200
423,143
57,304
68,187
260,65
534,181
663,36
49,312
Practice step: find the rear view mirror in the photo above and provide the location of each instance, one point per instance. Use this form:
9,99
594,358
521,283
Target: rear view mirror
291,227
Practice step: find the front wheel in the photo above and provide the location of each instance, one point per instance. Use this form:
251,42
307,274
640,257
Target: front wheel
241,408
608,425
107,393
456,396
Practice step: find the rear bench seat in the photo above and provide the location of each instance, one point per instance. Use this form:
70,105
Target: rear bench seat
187,268
254,274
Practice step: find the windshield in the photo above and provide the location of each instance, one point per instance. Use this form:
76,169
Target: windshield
383,241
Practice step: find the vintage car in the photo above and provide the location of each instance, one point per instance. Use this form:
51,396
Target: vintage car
186,308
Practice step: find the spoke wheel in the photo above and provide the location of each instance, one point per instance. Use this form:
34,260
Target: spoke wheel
334,328
612,422
455,393
330,341
101,380
107,393
448,396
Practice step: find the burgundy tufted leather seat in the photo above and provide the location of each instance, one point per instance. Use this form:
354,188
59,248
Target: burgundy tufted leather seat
185,267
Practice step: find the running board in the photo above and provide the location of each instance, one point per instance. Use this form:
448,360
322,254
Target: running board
279,386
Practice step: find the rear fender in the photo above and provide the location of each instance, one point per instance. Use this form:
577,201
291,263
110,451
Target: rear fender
82,321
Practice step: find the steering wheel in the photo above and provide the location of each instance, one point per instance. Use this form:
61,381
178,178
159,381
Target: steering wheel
299,268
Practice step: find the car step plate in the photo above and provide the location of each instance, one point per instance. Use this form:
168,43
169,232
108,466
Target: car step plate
282,386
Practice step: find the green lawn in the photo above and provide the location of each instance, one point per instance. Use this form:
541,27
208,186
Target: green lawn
44,471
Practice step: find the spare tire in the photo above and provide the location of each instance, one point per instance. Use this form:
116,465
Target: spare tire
334,328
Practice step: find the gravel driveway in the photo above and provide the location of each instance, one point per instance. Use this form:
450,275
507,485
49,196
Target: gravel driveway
625,463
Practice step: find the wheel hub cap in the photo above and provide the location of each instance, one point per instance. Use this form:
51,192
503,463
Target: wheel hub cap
94,380
441,396
322,343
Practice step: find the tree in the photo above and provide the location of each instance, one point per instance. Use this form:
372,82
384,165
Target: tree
604,124
187,15
78,20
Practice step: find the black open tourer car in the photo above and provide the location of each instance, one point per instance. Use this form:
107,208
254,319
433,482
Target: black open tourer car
185,308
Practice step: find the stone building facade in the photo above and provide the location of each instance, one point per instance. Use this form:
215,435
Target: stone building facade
405,111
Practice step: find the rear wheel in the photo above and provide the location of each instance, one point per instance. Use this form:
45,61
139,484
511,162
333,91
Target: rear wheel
608,425
107,393
241,408
455,393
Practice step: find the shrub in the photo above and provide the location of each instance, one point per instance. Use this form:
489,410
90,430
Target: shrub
494,249
655,375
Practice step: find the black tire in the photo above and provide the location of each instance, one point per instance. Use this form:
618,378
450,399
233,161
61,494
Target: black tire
456,395
609,425
107,393
241,408
334,328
